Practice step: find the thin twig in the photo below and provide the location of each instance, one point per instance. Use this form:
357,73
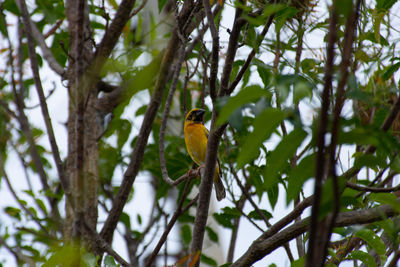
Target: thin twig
40,39
164,120
17,199
179,211
250,57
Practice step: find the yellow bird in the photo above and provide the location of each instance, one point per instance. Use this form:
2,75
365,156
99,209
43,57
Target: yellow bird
196,137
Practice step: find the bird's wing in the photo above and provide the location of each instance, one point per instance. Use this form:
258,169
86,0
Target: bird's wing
206,132
218,162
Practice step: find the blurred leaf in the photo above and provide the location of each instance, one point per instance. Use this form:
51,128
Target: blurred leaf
390,70
364,257
301,89
41,204
207,260
281,155
161,4
298,176
139,219
264,125
246,95
212,234
384,5
125,219
283,15
13,212
299,262
186,233
386,198
370,36
11,5
89,259
254,215
373,240
273,194
368,160
110,262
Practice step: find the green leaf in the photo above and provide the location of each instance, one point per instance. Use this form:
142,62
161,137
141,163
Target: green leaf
125,219
89,259
386,198
139,219
161,4
13,212
368,160
299,262
384,5
389,71
298,176
264,125
280,156
124,129
246,95
256,216
283,15
110,262
208,260
273,194
364,257
212,234
301,90
226,216
41,204
186,234
233,212
373,240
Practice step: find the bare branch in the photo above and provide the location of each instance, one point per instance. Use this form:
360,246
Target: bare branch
19,256
215,49
179,211
250,57
40,39
265,244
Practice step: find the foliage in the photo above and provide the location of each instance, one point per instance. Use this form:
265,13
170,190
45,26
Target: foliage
271,73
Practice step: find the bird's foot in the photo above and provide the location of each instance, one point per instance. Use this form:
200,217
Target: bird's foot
198,172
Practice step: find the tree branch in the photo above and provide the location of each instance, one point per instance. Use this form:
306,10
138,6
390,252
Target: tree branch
178,212
37,35
316,256
264,245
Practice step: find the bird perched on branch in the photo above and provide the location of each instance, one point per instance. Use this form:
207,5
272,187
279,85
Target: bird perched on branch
196,137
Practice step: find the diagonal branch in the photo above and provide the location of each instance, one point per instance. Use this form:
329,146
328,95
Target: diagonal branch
264,245
37,35
250,57
178,212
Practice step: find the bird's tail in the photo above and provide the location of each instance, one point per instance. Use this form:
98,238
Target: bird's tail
219,187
